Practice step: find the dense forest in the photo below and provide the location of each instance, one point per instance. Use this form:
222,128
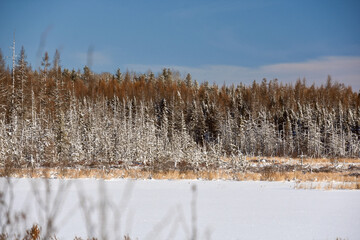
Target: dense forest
54,116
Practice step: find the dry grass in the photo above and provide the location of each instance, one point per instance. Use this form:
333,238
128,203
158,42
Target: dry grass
266,175
328,185
260,172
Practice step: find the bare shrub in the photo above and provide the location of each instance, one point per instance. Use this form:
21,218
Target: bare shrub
268,173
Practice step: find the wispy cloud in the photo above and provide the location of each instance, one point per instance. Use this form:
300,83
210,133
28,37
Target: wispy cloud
342,69
98,58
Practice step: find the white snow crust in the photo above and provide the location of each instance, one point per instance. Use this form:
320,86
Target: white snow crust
171,209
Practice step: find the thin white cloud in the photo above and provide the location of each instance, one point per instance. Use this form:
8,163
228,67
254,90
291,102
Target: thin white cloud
342,69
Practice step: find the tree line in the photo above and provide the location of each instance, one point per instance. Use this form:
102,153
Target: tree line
53,115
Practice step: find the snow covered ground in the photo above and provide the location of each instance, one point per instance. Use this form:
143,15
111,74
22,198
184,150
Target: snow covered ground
180,209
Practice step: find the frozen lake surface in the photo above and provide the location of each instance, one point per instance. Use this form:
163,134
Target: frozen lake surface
182,209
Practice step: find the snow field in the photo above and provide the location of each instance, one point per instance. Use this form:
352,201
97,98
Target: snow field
172,209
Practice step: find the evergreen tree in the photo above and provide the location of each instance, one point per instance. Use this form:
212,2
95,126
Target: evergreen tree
118,75
4,91
22,77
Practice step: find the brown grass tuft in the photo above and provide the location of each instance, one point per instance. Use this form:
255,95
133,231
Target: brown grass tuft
33,233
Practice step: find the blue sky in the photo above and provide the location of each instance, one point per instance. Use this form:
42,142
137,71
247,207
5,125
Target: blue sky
218,41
